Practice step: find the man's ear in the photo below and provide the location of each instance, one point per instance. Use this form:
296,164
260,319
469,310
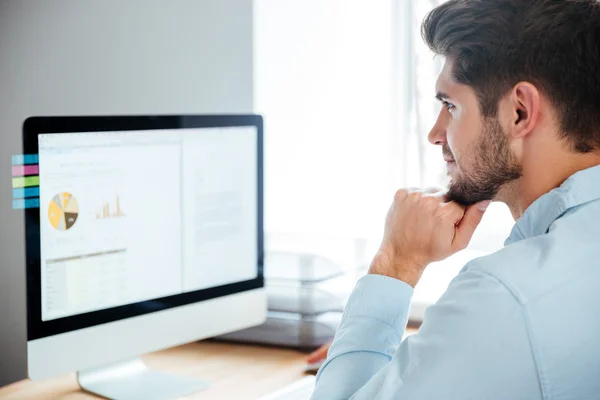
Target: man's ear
525,109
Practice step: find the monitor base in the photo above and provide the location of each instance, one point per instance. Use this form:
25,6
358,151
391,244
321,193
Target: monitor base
132,380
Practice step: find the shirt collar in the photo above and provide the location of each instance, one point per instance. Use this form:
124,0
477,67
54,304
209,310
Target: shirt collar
580,188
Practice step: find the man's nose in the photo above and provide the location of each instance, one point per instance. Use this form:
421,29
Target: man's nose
437,135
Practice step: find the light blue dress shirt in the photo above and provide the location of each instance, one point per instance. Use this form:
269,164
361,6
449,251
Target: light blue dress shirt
522,323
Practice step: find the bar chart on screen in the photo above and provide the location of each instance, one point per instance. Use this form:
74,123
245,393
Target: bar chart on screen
110,209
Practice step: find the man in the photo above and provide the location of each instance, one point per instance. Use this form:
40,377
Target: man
520,124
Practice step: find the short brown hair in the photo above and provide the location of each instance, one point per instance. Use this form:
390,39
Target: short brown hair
554,44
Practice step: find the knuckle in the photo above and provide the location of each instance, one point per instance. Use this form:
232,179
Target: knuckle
401,194
448,213
415,196
454,210
430,202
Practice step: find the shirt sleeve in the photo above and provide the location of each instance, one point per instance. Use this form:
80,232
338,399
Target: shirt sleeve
473,344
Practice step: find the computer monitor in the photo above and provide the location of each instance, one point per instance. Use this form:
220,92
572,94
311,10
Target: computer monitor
148,234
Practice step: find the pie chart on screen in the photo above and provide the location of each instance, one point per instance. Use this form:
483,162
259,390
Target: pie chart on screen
63,211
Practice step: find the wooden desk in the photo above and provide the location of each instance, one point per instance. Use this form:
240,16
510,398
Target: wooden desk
235,371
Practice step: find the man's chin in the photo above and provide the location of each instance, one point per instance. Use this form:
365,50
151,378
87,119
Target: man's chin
467,196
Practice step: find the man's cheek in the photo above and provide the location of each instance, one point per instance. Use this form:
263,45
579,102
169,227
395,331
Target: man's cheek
453,143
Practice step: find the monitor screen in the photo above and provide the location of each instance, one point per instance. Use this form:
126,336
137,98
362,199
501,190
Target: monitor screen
131,216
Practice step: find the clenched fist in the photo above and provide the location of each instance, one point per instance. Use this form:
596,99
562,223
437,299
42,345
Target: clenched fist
422,227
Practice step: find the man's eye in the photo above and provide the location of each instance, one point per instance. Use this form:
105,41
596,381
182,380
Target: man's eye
449,106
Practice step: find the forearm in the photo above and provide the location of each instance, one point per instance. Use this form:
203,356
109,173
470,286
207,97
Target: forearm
354,360
367,338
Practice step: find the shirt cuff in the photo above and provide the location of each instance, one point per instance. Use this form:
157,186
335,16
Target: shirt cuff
382,298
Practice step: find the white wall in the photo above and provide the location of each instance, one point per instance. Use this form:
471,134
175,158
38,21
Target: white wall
74,57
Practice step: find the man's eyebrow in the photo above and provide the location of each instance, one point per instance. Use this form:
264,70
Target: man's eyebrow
441,96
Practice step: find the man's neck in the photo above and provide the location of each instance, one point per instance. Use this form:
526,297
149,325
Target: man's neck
541,176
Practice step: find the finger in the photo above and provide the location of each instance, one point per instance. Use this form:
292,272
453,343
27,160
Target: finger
319,354
453,212
468,224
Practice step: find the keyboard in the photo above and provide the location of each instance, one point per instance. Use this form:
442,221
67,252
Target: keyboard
300,390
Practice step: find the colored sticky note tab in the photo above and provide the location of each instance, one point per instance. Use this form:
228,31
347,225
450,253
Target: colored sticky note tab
23,159
22,170
21,193
26,181
26,203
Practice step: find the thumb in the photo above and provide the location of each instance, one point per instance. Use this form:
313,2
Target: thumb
468,224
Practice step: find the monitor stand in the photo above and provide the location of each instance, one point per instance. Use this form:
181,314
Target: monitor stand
132,380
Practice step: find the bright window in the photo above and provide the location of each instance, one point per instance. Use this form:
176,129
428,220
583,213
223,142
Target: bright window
347,91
